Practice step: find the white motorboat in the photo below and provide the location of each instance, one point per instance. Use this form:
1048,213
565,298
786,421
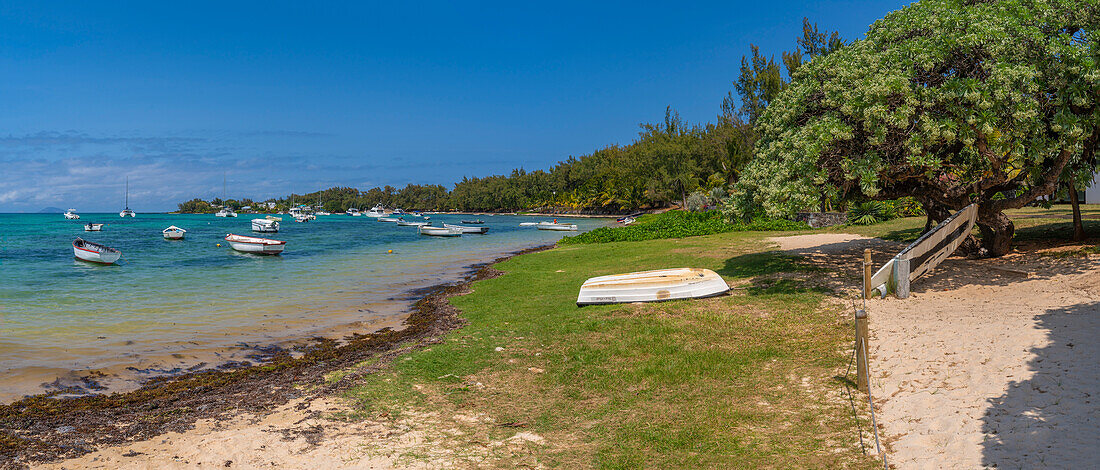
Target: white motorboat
321,213
406,223
438,231
464,229
652,286
388,219
557,227
173,233
398,212
531,224
226,212
94,252
265,225
353,212
71,214
127,212
473,222
272,217
257,245
376,211
91,227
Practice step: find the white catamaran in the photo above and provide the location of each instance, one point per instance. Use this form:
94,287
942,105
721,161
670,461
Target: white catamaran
127,212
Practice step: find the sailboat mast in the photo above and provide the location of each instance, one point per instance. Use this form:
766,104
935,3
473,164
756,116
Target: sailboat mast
126,199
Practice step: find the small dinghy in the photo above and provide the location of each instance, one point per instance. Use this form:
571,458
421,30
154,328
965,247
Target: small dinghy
652,286
90,227
257,245
439,231
388,219
265,225
530,224
474,222
480,230
94,252
405,223
173,233
557,227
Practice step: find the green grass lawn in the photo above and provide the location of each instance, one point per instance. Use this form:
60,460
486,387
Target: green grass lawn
747,380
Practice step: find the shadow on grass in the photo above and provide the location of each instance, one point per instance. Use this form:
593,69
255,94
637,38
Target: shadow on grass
763,264
904,235
1054,231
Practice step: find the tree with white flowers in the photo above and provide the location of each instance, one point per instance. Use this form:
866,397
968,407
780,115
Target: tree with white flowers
948,101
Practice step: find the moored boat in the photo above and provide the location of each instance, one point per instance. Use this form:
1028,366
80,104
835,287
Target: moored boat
71,214
652,286
460,228
127,212
173,233
226,212
376,211
557,227
257,245
94,252
265,225
438,231
475,222
406,223
388,219
353,212
91,227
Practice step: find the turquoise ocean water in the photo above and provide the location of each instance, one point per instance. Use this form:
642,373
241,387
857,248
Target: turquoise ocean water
173,305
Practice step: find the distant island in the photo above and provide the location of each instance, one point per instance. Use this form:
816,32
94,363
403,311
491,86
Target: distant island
51,210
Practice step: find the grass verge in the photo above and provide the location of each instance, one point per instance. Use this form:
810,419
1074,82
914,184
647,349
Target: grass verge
746,380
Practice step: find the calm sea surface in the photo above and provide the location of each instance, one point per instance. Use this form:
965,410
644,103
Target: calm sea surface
170,306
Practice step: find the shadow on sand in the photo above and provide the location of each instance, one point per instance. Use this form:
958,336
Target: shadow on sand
1051,420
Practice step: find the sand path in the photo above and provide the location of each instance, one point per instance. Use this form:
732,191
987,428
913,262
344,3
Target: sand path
981,367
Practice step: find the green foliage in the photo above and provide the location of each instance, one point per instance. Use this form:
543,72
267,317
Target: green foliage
950,101
196,206
677,224
869,213
696,201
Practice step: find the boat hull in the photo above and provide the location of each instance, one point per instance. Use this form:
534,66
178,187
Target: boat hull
439,231
265,226
93,227
558,227
173,236
477,230
652,286
255,245
94,253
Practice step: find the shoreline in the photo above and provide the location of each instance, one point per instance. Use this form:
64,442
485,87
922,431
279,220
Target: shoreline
39,428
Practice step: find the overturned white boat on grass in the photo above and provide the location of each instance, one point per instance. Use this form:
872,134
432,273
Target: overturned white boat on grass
265,225
257,245
465,229
439,231
173,233
652,286
94,252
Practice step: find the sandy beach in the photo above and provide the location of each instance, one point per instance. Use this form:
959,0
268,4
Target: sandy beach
990,363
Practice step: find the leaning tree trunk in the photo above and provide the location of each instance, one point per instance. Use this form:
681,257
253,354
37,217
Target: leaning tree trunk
997,230
1078,226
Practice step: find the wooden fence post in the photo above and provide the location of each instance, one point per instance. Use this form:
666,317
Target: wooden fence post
867,287
861,350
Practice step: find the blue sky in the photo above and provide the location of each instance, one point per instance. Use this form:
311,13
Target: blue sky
287,97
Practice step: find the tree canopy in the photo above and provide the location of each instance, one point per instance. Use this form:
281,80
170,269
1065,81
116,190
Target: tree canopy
948,101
